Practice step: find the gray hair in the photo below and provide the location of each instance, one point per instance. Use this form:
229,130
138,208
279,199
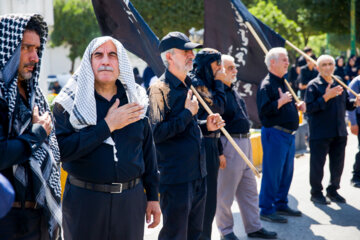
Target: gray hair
325,57
227,57
274,54
163,56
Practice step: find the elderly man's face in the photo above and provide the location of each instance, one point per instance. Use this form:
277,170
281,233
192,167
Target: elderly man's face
182,60
105,63
230,71
326,68
280,65
30,46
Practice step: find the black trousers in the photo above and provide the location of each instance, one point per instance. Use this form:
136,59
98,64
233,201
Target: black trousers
319,149
27,224
94,215
212,167
356,172
182,206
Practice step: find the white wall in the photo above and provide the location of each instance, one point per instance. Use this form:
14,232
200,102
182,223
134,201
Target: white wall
43,7
54,60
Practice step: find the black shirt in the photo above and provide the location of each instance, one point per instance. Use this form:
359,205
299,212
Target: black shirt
305,76
235,115
18,149
267,103
177,135
326,119
85,155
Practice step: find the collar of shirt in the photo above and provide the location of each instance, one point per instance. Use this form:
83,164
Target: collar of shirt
278,79
175,82
323,81
119,89
227,88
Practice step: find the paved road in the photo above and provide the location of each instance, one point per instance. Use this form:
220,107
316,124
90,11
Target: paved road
332,222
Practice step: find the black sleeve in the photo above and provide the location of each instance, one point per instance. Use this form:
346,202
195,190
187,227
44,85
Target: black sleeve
151,175
300,77
75,144
17,150
219,98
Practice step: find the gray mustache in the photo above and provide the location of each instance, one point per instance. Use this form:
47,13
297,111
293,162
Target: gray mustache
105,68
31,64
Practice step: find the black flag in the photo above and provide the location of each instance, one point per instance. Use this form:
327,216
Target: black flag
227,32
119,19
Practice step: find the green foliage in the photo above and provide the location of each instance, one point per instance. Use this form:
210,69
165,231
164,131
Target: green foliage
164,16
318,44
75,26
322,16
272,16
50,98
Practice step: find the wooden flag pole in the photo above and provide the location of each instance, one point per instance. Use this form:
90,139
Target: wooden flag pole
227,135
312,60
256,36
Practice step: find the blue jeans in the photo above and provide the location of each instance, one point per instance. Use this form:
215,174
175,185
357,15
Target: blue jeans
278,166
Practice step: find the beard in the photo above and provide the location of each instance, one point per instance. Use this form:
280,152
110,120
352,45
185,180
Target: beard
233,80
25,75
184,68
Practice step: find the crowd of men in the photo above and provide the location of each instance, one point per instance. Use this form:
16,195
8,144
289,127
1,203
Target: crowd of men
122,146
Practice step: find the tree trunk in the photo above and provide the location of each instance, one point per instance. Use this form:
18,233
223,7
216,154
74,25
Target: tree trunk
72,66
306,38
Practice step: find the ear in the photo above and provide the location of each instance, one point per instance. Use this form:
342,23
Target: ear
272,62
168,56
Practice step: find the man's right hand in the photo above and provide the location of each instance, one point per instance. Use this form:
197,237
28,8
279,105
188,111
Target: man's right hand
285,97
119,117
44,120
191,103
354,129
220,75
332,92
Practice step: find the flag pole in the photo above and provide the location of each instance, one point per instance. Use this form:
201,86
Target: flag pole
312,60
252,30
227,135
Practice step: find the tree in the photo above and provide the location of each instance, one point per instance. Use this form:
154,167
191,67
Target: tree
164,16
75,26
322,16
272,16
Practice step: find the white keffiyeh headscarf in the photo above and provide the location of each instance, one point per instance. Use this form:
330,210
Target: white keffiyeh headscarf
78,97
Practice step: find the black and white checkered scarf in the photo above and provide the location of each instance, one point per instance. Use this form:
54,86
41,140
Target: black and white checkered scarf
45,161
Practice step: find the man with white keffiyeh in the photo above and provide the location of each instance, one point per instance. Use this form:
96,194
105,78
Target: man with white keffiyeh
28,147
107,148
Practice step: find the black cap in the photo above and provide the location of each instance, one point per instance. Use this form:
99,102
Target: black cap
177,40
